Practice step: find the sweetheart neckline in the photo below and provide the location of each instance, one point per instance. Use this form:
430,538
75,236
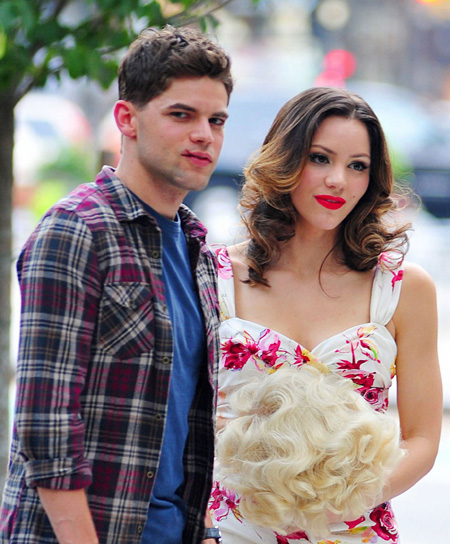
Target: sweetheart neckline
315,348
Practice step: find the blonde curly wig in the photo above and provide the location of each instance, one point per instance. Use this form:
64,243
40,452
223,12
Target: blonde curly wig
305,443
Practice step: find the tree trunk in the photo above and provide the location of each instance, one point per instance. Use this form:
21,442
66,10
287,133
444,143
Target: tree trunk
7,103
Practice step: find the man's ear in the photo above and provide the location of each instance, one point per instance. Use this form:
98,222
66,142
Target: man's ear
124,114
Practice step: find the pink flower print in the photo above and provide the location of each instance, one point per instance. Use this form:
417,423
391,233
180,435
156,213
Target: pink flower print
385,525
344,364
268,346
397,276
223,501
375,397
302,356
224,261
355,523
364,379
389,260
368,348
386,262
284,539
362,346
235,354
216,497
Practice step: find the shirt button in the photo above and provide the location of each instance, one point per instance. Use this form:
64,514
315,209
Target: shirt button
139,529
165,360
150,474
155,254
158,417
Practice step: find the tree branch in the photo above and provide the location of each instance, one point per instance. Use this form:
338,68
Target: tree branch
179,20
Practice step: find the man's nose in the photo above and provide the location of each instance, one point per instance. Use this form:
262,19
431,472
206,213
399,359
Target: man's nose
202,132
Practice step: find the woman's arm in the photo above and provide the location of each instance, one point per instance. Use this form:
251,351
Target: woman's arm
419,386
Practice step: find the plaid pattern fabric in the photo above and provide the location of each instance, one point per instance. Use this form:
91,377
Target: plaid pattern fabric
94,367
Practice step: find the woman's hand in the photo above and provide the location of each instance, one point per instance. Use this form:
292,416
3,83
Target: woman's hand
333,518
220,423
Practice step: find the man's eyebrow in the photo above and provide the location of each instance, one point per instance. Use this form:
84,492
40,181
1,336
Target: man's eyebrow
186,107
222,114
181,106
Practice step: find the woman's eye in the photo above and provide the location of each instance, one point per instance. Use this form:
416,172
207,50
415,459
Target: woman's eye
318,158
359,166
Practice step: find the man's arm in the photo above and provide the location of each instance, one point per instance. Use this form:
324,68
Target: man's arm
69,515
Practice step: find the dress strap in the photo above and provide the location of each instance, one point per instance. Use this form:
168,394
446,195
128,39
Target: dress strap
386,288
226,283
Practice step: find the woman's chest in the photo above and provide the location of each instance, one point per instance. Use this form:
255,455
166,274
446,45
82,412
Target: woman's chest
306,312
364,353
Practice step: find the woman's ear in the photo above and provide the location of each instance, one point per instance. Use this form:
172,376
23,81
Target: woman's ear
124,114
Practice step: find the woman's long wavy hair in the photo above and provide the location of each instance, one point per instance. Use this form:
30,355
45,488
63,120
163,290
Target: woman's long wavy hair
268,212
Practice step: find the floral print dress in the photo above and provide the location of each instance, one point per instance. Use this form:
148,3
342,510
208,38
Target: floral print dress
364,354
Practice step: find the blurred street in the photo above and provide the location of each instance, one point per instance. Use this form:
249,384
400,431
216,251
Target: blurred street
423,512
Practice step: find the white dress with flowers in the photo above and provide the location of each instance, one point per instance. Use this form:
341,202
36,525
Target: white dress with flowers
364,353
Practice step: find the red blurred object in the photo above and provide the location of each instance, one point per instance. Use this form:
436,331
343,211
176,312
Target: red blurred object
339,64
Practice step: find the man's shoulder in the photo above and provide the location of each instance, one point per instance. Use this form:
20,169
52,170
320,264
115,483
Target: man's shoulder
191,223
104,200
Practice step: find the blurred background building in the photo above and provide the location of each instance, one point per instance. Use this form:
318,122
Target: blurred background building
395,53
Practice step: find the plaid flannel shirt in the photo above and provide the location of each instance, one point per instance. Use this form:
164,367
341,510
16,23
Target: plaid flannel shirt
94,367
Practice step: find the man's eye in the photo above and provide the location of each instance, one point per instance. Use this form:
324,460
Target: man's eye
218,121
179,114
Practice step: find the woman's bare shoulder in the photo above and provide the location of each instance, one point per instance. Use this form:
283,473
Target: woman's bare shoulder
416,278
237,251
418,294
237,257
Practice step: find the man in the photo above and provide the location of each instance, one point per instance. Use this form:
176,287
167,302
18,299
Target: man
114,435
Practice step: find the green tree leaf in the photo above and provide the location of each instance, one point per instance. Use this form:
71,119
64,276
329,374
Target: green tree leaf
2,42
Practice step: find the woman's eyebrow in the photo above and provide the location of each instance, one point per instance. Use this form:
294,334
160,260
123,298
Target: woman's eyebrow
331,152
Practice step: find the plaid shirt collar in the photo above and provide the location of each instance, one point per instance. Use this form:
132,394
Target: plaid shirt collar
128,208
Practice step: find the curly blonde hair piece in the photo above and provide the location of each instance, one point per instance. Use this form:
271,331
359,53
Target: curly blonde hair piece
305,443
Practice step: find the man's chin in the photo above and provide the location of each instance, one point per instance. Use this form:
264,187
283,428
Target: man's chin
199,184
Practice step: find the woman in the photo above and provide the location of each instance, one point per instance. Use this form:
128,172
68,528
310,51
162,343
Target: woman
321,278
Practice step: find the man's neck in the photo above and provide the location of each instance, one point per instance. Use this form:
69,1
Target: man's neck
164,201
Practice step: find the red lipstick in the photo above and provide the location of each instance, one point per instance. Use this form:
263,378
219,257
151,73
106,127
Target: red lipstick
330,202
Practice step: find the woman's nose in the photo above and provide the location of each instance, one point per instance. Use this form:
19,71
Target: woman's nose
336,177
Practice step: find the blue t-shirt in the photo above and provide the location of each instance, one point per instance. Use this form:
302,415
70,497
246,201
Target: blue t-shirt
166,516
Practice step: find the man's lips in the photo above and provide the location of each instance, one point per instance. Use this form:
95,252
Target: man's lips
330,202
198,158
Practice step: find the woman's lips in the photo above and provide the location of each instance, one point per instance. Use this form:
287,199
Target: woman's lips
330,202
